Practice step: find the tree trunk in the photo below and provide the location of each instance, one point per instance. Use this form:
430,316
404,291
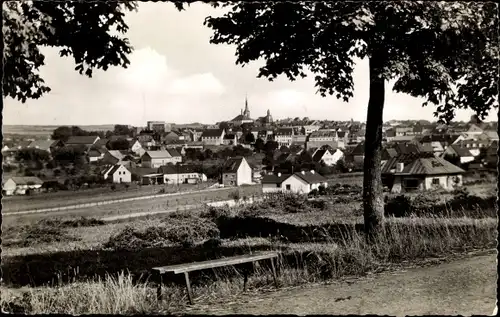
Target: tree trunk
373,200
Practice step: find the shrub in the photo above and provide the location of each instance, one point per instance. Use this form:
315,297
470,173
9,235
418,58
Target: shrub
235,195
182,229
399,206
113,186
213,213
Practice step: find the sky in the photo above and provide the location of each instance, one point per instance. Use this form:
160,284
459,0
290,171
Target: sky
177,76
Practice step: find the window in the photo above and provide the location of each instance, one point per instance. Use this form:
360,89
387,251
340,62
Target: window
435,181
288,187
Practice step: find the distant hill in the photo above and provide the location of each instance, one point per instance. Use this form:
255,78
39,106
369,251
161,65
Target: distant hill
48,129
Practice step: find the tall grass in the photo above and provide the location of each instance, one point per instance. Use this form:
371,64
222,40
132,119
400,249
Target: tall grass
405,239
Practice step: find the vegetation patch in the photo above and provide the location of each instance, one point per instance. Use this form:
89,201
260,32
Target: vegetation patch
178,228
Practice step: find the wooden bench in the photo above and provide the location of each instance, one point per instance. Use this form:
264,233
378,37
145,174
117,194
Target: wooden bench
158,272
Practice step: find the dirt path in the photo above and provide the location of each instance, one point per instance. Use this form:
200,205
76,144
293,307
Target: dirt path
462,287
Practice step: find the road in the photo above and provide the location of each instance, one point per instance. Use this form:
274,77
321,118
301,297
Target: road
462,287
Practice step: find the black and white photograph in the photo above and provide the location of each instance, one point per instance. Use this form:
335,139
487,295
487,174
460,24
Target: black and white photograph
249,157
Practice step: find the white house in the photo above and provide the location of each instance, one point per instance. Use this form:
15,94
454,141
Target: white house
136,147
213,136
155,159
118,174
300,183
181,174
284,136
21,185
327,157
421,173
236,172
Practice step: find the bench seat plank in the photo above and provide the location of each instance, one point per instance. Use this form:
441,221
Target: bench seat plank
182,268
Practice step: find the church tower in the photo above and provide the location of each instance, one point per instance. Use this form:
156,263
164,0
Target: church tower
246,112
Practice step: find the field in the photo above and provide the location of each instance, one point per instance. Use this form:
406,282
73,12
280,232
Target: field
69,198
67,264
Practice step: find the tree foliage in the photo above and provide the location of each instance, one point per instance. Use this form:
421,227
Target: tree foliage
89,32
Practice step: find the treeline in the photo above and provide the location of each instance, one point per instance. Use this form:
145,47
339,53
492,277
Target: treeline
63,133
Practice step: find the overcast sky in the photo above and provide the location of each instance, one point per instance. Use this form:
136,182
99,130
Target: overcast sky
177,76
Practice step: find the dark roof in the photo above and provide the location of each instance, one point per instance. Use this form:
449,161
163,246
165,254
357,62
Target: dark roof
141,171
405,148
284,131
341,134
406,158
318,155
310,177
212,133
232,165
241,117
274,179
392,152
82,139
113,169
176,169
359,149
450,138
101,143
461,151
173,152
229,136
431,166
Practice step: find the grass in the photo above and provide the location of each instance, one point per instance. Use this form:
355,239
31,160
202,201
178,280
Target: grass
317,243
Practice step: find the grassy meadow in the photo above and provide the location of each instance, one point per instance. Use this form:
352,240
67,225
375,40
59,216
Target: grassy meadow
84,265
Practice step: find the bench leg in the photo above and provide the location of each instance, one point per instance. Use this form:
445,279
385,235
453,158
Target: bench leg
275,277
188,288
159,296
245,280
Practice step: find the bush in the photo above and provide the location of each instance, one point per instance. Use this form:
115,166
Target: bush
235,195
181,229
399,206
113,187
213,213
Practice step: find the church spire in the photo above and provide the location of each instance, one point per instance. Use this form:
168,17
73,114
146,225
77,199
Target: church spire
246,112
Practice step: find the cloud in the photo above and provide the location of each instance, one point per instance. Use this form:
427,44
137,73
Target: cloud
196,84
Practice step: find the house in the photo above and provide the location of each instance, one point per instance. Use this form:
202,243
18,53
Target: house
46,145
474,146
136,147
358,153
420,172
329,158
22,185
213,136
284,136
438,142
155,159
308,129
96,154
230,139
117,174
299,139
113,157
181,174
236,172
86,141
462,152
171,136
146,140
322,137
300,182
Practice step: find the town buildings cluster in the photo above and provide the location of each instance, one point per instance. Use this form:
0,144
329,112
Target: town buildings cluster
416,154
